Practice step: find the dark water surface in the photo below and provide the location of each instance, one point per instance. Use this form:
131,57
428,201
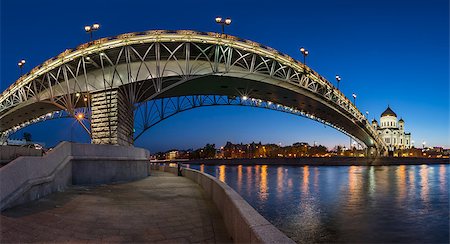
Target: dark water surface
407,204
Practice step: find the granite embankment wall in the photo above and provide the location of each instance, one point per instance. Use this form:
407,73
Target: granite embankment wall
325,161
9,153
29,178
243,222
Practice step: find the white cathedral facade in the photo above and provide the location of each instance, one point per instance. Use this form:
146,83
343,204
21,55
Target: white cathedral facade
391,131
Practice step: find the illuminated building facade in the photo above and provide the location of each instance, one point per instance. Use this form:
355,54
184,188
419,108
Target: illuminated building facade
392,131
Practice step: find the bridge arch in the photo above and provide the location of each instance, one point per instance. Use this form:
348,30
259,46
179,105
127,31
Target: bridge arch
152,112
158,64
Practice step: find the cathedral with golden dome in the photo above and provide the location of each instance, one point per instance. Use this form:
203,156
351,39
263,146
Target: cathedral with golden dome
392,131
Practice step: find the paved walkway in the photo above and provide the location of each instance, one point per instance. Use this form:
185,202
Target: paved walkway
161,208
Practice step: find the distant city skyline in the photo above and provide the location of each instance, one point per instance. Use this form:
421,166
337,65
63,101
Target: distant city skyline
387,52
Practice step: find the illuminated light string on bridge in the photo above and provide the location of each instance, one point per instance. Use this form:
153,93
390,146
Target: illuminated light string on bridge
177,105
277,67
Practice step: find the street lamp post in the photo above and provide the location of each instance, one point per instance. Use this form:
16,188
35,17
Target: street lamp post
338,79
90,29
20,64
354,99
304,53
223,22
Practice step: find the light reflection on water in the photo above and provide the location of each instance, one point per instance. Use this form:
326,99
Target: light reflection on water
347,203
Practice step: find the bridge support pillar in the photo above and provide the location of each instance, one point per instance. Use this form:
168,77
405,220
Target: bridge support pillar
112,118
372,152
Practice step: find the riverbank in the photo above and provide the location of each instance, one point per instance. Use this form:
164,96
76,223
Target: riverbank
328,161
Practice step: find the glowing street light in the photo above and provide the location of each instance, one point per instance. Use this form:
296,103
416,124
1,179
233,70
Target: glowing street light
223,22
90,29
354,99
304,53
338,79
80,116
21,64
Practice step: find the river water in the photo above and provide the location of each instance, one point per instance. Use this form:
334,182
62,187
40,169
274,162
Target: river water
382,204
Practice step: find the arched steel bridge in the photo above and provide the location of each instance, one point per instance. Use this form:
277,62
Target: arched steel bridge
158,65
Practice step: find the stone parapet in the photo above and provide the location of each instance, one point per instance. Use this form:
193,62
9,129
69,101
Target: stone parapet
29,178
242,221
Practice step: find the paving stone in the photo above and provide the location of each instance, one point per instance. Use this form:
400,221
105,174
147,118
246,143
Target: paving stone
162,208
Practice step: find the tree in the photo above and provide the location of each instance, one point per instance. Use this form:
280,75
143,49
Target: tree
209,151
27,136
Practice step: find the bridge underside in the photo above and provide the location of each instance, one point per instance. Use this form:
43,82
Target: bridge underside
283,94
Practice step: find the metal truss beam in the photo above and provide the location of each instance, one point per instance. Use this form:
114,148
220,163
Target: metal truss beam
147,64
150,113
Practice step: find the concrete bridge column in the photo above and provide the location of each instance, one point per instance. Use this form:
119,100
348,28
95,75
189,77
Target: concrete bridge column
112,118
372,152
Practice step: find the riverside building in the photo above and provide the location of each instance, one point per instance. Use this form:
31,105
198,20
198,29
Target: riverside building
392,131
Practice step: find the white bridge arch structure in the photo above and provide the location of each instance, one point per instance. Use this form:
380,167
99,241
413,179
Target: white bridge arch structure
111,79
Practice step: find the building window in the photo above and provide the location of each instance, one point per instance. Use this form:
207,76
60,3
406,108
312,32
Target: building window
401,141
395,141
388,140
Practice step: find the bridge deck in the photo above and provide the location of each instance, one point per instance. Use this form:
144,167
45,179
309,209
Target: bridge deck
160,208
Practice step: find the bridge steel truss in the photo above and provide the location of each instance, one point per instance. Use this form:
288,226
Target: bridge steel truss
151,65
150,113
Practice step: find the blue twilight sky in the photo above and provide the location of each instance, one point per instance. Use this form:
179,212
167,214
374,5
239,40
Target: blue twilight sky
392,52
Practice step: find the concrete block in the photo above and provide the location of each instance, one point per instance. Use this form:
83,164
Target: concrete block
228,215
218,195
206,184
249,214
92,171
268,234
